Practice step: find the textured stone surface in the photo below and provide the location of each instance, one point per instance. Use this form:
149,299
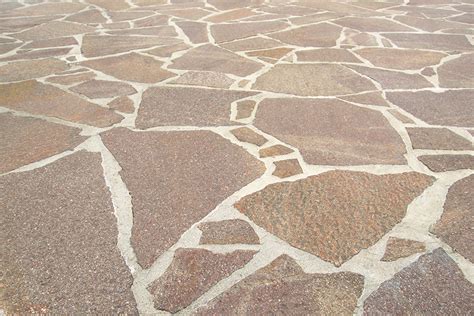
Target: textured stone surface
393,79
441,42
287,168
231,231
404,59
437,138
233,31
25,140
432,285
253,43
40,99
149,164
186,106
341,212
334,140
195,31
196,270
441,163
455,225
312,80
457,73
319,35
247,135
245,109
275,150
205,78
71,79
23,70
122,104
282,287
367,98
327,55
62,255
400,248
103,89
365,24
53,29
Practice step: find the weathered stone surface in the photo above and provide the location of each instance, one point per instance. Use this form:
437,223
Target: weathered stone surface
443,42
428,25
400,248
195,31
163,205
26,140
234,4
111,4
401,117
53,29
432,285
52,42
274,53
442,163
213,58
455,225
103,89
393,79
364,139
62,255
191,274
287,168
71,79
282,287
253,43
50,9
275,150
88,17
40,99
312,80
231,15
453,107
404,59
37,54
367,98
23,70
187,106
233,31
5,48
327,55
164,33
118,16
437,138
167,51
247,135
341,212
354,38
365,24
226,232
122,104
319,35
130,67
152,21
245,109
204,78
457,73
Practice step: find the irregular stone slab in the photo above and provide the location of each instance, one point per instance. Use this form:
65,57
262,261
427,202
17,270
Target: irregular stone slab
399,116
186,106
437,139
50,9
354,38
366,24
204,78
234,4
71,79
227,232
453,107
119,16
236,14
432,285
368,98
213,58
443,42
327,55
455,225
41,99
245,134
312,80
167,51
393,79
192,273
245,109
314,18
318,35
111,4
283,287
188,14
401,248
457,73
253,43
53,42
161,32
103,89
53,29
335,214
37,54
152,21
467,18
23,70
122,104
88,17
25,140
442,163
404,59
275,53
287,168
131,67
367,138
428,25
164,207
232,31
275,150
195,31
5,48
62,255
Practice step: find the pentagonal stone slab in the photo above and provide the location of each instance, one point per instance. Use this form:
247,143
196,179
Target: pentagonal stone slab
175,179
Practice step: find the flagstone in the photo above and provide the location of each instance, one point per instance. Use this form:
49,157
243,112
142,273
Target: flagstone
354,38
247,135
195,31
71,79
37,54
253,43
54,42
428,25
287,168
367,98
403,59
401,117
152,21
232,31
204,78
53,29
120,16
122,104
5,48
49,9
88,17
23,70
236,14
442,163
467,18
111,4
103,89
245,109
443,42
318,35
393,79
234,4
366,24
275,150
161,32
227,232
437,139
274,53
457,73
398,248
327,55
168,50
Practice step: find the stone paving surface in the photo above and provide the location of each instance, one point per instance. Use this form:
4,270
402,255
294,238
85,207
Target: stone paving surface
237,157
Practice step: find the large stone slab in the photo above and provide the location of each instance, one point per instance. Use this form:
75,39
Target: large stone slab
318,35
457,73
437,139
336,214
175,179
62,255
324,134
282,287
231,231
442,163
403,59
401,248
53,29
432,285
103,89
30,69
366,24
389,79
233,31
443,42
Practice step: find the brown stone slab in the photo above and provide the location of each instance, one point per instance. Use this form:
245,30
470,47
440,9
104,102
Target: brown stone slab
161,32
103,89
455,225
227,232
432,285
403,59
187,106
131,67
457,73
234,4
204,78
275,53
72,79
275,150
62,256
366,24
247,135
442,163
335,214
287,168
245,109
168,50
318,35
25,140
53,42
88,17
41,99
49,9
437,139
195,31
175,179
53,29
401,117
111,4
367,98
23,70
236,14
327,55
443,42
401,248
37,54
122,104
282,287
191,274
366,138
253,43
393,79
312,80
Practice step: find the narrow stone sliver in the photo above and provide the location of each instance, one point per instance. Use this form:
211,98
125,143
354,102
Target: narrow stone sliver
236,157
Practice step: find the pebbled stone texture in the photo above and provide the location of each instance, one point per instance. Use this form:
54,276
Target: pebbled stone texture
232,231
400,248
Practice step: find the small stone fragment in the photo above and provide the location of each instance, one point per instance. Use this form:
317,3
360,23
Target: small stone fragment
287,168
245,109
204,78
103,89
275,150
437,139
227,232
399,116
195,31
442,163
368,98
122,104
401,248
245,134
30,69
